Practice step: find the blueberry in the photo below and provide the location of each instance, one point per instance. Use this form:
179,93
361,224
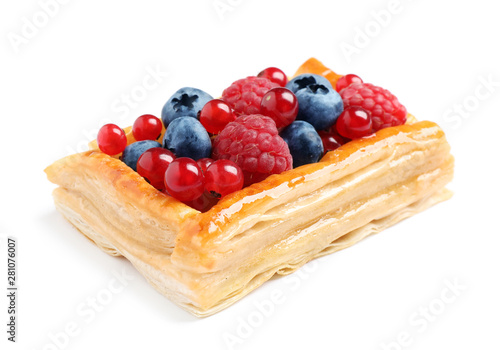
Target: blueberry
186,137
319,105
186,102
303,80
133,151
303,141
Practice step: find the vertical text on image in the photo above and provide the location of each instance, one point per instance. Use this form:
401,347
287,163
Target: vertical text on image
12,289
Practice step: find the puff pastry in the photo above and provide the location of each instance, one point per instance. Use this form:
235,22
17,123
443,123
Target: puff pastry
205,262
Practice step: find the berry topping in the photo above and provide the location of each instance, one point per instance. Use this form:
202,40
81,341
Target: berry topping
240,131
281,105
304,142
184,180
274,74
185,102
204,163
223,177
215,115
333,130
147,127
111,139
304,80
203,203
244,95
383,107
354,123
152,165
319,105
133,151
186,137
347,80
331,141
253,143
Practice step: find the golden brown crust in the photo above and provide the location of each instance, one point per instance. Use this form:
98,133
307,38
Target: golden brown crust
206,261
126,207
203,233
127,184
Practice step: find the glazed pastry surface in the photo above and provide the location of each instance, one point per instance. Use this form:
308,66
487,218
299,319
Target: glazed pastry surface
204,262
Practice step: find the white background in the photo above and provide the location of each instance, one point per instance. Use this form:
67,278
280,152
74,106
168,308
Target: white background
67,76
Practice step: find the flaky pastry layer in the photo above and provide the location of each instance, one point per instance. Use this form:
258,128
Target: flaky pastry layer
204,262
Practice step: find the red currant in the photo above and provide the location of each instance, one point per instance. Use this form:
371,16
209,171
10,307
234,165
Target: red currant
347,80
354,122
340,138
147,127
330,140
223,177
281,105
204,163
215,115
152,165
203,203
274,74
111,139
184,179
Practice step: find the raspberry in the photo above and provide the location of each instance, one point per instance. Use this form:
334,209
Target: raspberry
253,143
244,95
383,107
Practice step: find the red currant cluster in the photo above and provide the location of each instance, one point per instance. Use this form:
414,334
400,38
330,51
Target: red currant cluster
367,108
354,122
187,180
198,183
112,139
